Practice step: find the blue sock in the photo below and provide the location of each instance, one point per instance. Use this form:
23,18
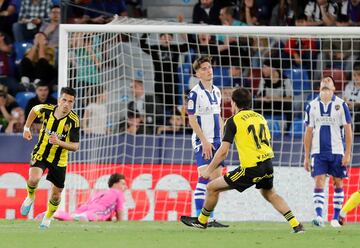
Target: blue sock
319,199
338,201
199,194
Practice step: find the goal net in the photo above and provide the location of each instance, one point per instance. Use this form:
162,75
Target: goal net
132,78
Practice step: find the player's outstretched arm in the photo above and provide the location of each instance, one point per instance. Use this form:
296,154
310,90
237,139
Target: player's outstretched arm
206,145
31,117
219,156
348,144
307,146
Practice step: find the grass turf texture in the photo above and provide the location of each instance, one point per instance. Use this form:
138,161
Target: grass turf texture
26,234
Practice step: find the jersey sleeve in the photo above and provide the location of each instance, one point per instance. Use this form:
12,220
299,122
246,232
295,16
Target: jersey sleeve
308,120
230,130
40,109
347,116
191,105
75,131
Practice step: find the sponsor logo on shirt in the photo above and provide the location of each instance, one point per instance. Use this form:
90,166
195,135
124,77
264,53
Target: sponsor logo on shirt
325,120
49,132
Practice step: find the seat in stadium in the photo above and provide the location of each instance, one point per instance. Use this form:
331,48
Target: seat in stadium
20,49
22,98
300,80
339,77
297,127
254,78
184,75
222,76
184,72
274,124
54,95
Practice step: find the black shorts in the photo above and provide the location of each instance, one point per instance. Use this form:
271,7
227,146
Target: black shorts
243,178
56,174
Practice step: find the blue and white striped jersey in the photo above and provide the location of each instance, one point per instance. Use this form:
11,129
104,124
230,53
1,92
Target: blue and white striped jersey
328,121
205,105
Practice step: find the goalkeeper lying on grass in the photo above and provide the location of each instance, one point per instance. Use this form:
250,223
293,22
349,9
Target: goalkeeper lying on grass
102,206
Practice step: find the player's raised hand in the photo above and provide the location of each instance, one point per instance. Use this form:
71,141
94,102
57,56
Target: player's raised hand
207,149
307,164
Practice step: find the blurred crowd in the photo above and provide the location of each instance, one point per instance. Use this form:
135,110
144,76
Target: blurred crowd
283,74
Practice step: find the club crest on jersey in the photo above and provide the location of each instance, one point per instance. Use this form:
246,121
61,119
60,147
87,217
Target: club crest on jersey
190,104
337,107
66,128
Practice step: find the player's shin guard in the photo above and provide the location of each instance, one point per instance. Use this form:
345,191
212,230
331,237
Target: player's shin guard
338,200
51,208
199,194
290,217
30,191
319,199
204,215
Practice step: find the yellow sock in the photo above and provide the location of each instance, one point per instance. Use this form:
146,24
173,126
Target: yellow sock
351,203
204,216
289,216
51,208
30,191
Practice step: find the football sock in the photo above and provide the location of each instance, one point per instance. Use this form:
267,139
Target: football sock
319,198
199,194
351,203
51,208
30,191
338,200
289,216
204,215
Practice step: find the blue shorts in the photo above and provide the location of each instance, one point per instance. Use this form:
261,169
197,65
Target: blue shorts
329,164
200,160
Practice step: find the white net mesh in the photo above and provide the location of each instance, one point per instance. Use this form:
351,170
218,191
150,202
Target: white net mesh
132,90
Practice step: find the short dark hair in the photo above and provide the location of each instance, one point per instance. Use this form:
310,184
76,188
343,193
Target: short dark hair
41,84
199,61
356,66
115,178
138,81
273,63
68,90
133,113
165,34
242,98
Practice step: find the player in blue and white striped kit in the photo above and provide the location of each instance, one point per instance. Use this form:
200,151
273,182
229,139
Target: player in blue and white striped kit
205,119
327,118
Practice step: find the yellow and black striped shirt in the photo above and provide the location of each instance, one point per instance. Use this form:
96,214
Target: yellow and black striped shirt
252,137
66,128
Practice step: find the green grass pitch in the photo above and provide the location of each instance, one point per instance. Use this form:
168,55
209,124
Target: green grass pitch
128,234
